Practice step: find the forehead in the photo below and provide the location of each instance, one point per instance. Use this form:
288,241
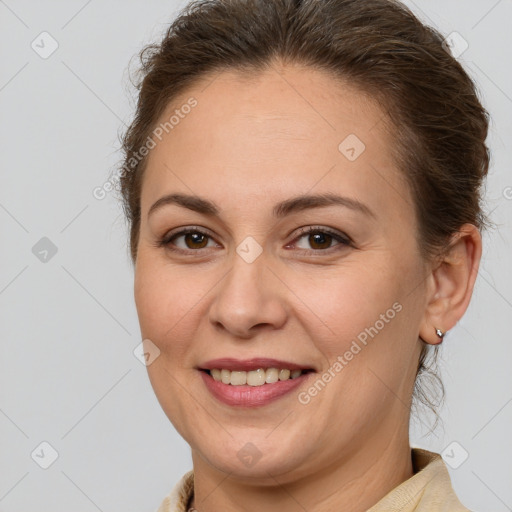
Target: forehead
286,129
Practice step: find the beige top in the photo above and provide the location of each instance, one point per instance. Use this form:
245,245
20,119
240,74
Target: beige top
428,490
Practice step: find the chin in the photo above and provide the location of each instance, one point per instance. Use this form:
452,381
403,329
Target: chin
258,460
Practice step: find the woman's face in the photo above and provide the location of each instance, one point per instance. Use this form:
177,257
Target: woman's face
345,301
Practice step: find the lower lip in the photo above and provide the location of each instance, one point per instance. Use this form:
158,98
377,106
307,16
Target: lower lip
251,396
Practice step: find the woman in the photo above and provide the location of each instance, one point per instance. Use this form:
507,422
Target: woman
302,183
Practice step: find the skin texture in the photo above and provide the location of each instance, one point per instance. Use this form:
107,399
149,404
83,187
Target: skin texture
251,142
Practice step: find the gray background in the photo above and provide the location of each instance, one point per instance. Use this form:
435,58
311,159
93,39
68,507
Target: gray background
68,325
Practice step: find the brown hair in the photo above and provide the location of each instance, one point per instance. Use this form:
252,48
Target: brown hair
379,46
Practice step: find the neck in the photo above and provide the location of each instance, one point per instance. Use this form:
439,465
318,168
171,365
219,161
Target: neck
353,483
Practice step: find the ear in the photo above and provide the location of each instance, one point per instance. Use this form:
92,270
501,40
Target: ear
451,283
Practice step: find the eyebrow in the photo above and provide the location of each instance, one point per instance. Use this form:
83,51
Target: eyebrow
282,209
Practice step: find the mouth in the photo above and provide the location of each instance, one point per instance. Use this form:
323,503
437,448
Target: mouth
252,383
257,377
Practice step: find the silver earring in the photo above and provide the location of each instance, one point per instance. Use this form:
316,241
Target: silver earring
440,334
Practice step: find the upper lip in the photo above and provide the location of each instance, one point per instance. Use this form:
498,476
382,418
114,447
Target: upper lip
229,363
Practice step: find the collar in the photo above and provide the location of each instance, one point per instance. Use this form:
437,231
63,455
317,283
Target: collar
428,490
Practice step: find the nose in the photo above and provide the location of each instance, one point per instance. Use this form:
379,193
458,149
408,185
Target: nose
249,299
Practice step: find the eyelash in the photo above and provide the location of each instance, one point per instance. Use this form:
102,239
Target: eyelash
343,239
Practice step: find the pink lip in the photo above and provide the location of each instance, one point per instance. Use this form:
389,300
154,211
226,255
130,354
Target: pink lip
229,363
251,396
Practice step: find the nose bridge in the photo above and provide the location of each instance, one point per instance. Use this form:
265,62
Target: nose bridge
248,296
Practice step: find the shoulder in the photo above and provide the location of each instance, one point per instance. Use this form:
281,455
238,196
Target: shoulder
428,490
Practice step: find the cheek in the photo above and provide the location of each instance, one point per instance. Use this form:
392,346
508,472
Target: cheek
170,305
161,299
347,301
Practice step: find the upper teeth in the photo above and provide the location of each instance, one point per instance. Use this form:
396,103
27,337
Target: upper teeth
255,377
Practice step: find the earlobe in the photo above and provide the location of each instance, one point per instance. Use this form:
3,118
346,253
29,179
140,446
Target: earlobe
452,284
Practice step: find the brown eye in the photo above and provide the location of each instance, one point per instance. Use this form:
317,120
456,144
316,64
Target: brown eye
320,240
195,240
188,239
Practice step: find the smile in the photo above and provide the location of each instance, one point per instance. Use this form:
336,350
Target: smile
258,377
